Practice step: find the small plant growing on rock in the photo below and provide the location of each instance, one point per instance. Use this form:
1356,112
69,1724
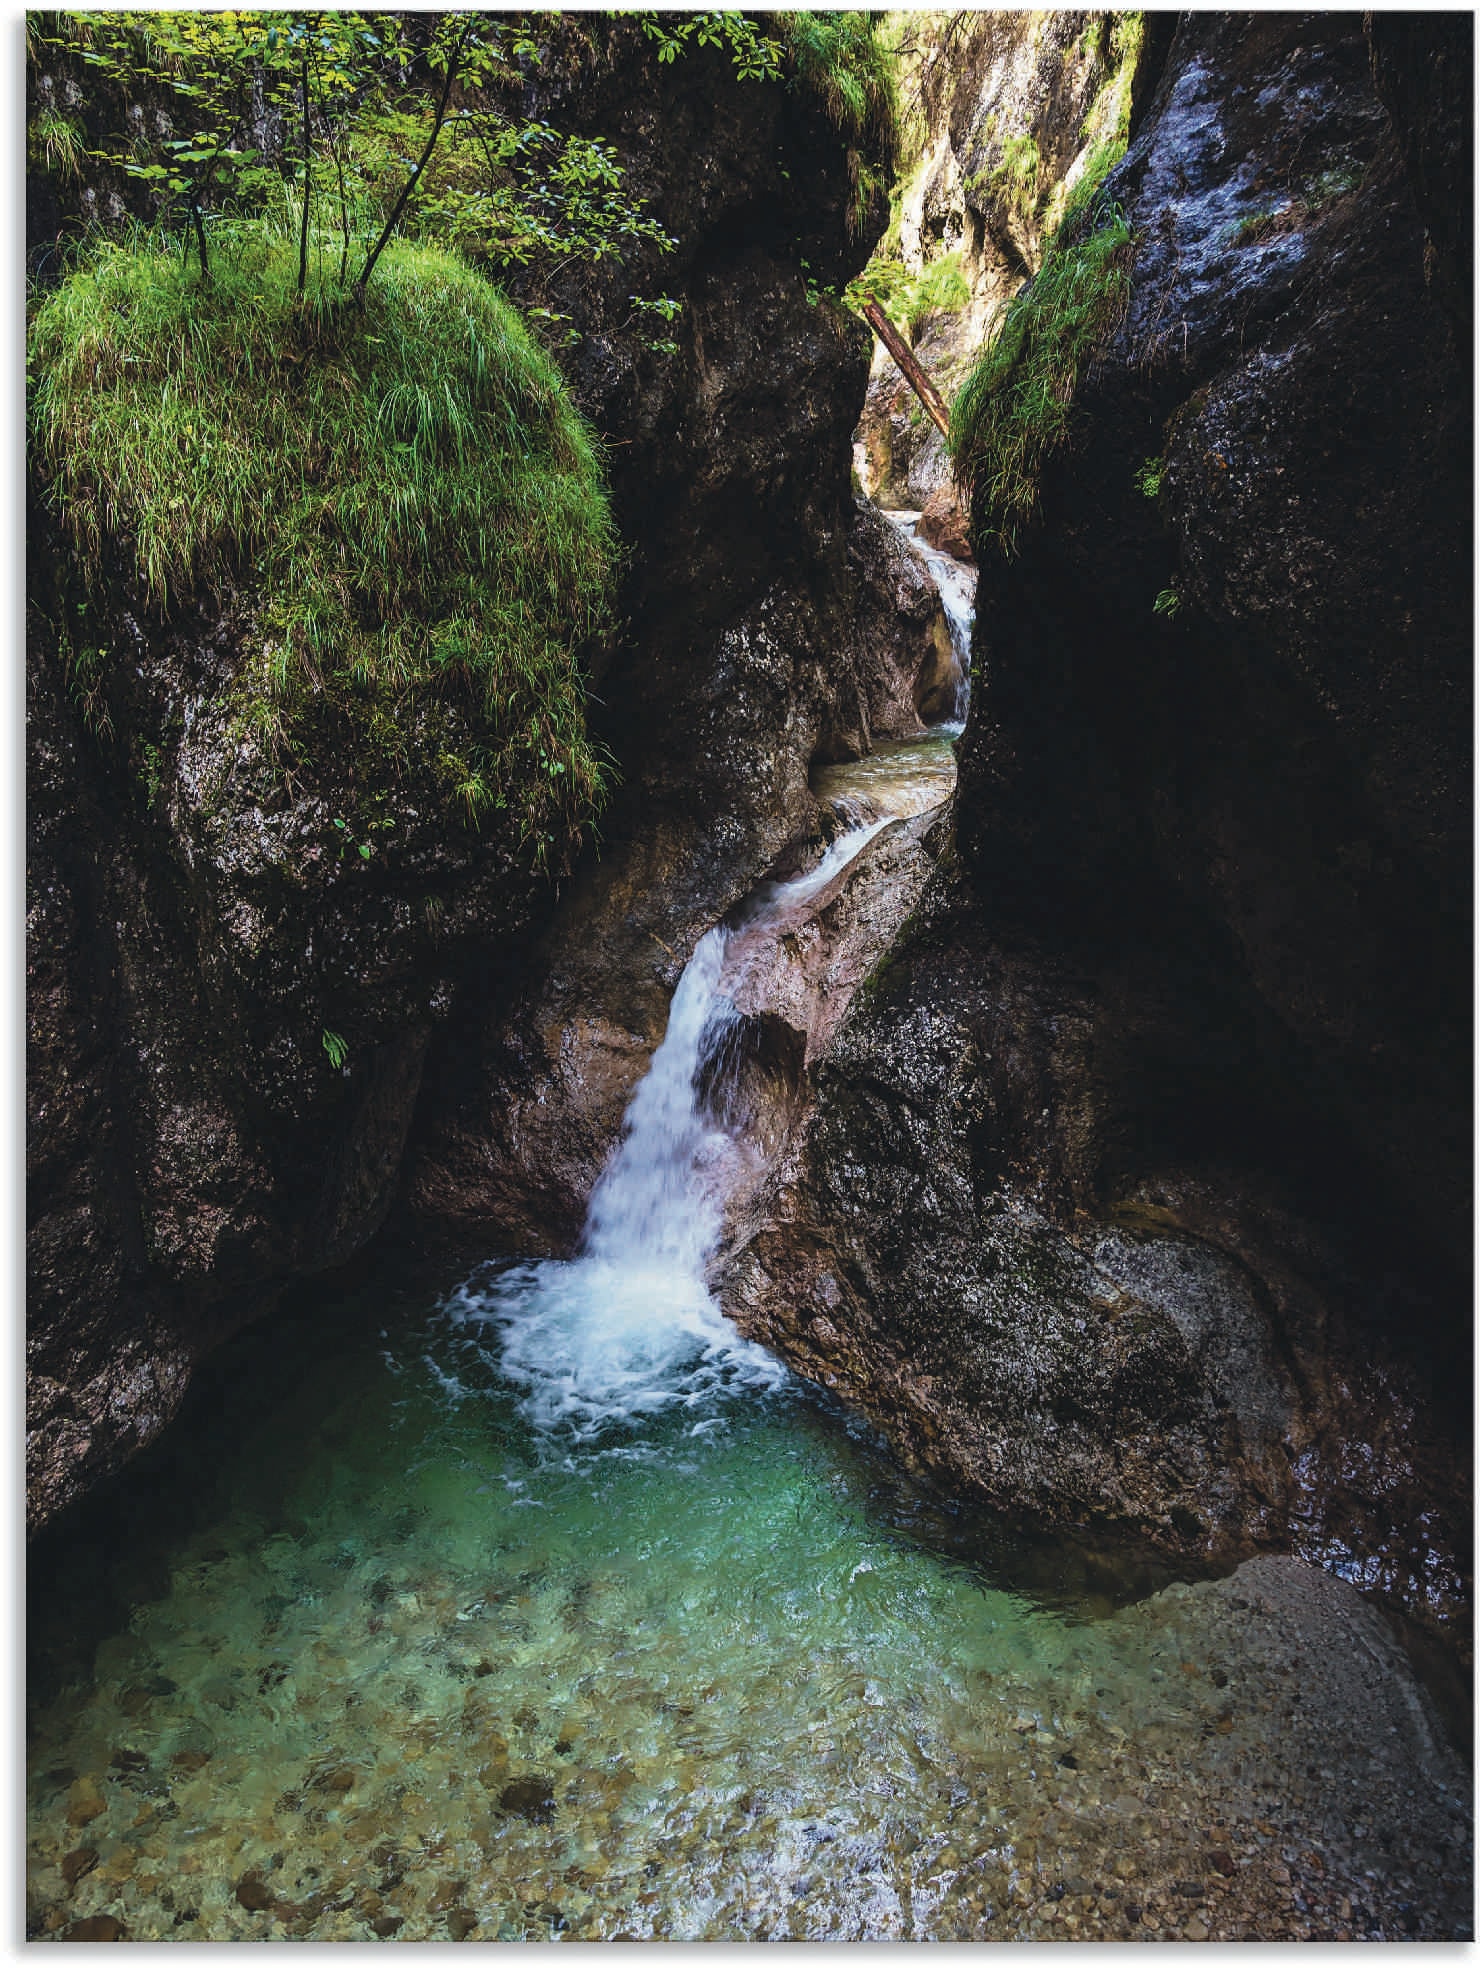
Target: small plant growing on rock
1013,409
1256,226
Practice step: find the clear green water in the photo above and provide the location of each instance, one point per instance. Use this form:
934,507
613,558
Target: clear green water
348,1656
747,1685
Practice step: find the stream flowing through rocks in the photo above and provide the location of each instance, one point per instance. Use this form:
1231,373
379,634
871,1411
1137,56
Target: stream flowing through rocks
550,1607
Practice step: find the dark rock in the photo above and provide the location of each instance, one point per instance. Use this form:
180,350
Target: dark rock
387,1924
529,1797
1137,1185
97,1927
76,1865
460,1922
1222,1862
128,1760
1422,69
254,1894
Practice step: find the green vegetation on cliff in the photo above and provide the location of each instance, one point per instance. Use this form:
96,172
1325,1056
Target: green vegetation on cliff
1013,408
403,493
841,59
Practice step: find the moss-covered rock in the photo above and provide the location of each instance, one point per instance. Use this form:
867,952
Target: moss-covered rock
311,590
401,492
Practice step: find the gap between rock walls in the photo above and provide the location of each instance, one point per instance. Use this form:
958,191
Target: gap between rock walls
748,1186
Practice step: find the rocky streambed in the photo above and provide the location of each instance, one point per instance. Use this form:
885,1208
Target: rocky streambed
407,1674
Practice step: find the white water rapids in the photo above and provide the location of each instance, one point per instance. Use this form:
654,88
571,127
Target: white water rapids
629,1326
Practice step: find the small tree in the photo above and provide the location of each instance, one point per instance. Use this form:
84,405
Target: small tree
357,114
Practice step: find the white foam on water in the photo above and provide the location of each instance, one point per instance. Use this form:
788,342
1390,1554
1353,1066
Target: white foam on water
956,584
629,1328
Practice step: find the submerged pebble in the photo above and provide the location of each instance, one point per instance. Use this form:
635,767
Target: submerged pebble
734,1741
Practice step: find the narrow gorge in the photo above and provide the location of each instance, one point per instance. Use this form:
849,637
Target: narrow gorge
748,1108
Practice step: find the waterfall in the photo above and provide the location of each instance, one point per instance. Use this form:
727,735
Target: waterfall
629,1327
956,585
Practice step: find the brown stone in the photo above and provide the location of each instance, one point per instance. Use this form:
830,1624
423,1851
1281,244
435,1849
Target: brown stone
76,1865
84,1802
529,1797
97,1927
253,1894
944,524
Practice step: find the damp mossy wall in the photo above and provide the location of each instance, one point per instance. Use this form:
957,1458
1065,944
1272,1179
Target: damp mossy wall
403,492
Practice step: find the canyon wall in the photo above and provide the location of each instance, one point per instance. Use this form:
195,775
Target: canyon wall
200,918
1137,1190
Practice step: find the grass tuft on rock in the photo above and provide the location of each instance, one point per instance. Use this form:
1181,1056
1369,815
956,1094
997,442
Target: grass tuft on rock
405,492
1013,409
850,67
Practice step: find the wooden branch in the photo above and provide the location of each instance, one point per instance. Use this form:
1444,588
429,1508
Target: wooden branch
307,174
410,185
910,369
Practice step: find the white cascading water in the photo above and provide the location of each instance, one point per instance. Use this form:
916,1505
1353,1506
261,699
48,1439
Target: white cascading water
629,1326
957,586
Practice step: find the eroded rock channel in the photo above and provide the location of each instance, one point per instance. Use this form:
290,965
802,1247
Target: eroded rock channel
877,1354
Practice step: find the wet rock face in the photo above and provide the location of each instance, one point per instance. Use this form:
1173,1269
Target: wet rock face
199,920
1138,1186
775,623
1169,1350
1284,359
195,926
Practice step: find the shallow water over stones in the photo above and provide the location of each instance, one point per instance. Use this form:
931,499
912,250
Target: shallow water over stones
399,1673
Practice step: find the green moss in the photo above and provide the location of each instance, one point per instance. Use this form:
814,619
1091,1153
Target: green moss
406,491
1109,119
851,68
1014,182
1013,408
